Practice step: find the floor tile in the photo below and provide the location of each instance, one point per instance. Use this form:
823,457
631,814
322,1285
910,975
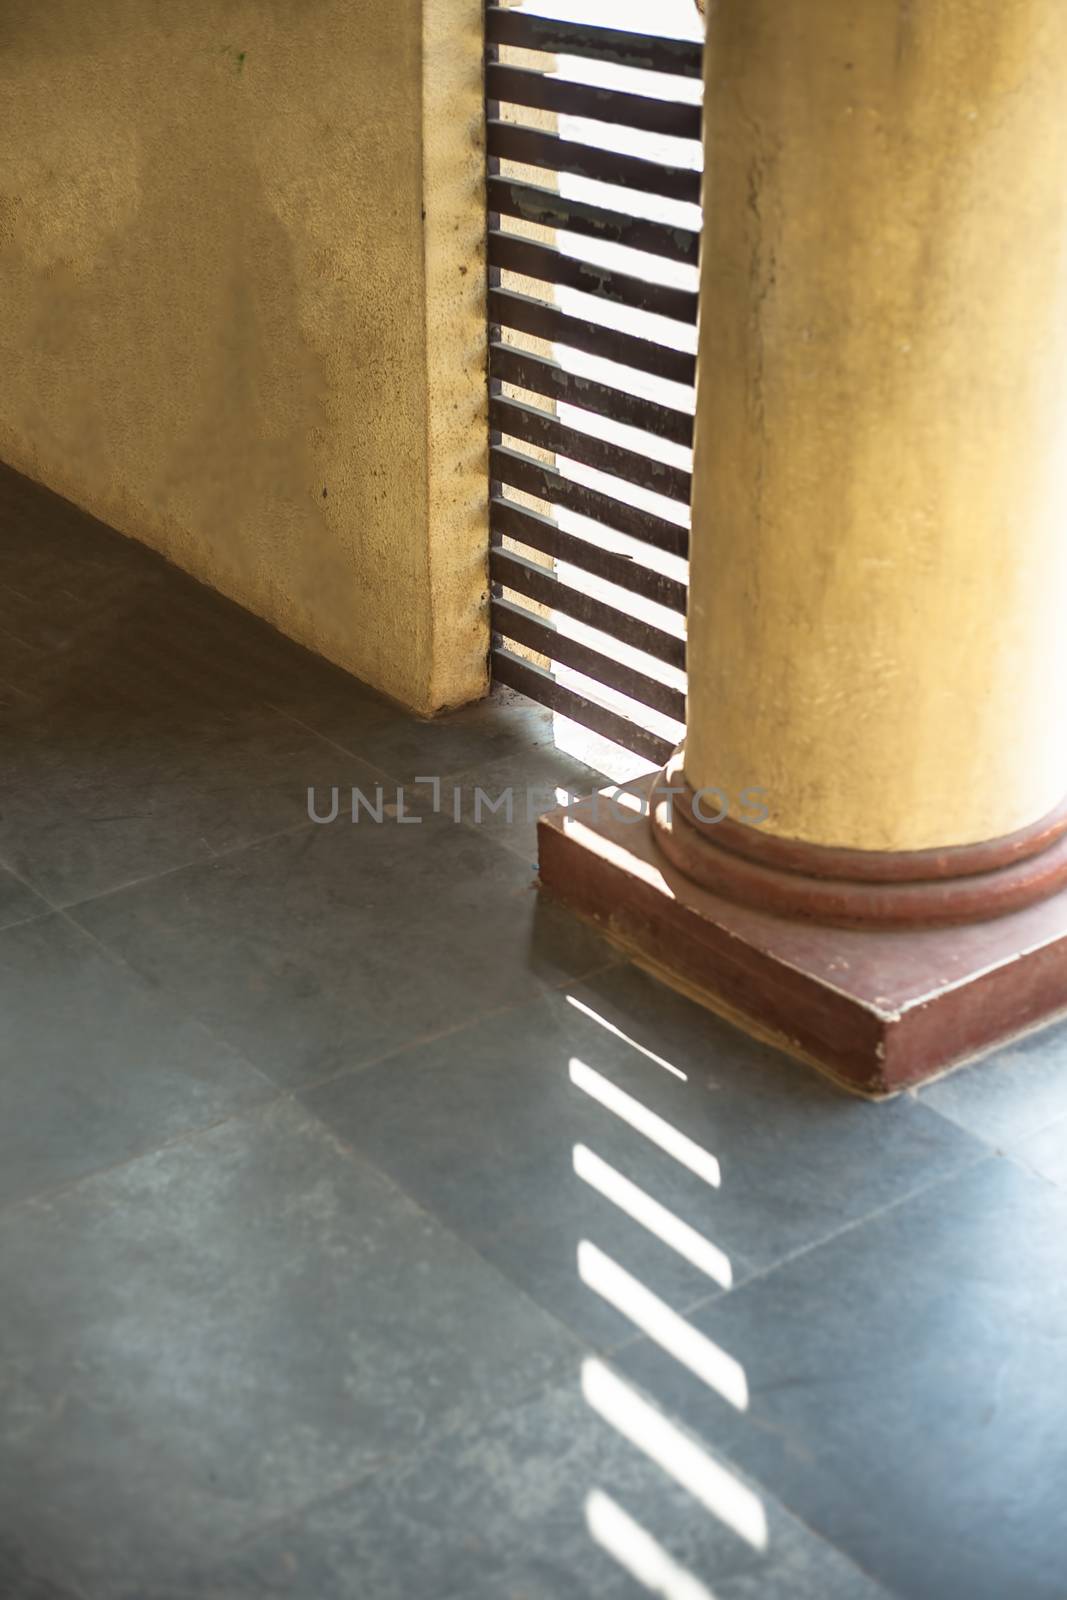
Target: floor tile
319,950
1046,1152
18,663
213,1336
141,738
118,796
507,1512
406,747
1010,1093
906,1388
18,903
18,1582
12,699
481,1127
42,529
97,1067
519,788
63,575
72,603
193,646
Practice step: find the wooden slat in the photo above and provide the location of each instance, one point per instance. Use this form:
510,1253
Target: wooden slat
537,684
541,376
520,87
512,198
681,57
523,627
508,141
529,315
536,584
516,254
545,430
513,521
545,483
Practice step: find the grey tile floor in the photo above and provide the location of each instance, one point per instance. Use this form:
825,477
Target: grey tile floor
369,1229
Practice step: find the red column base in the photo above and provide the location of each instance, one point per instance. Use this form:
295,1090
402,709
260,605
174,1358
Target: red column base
877,1009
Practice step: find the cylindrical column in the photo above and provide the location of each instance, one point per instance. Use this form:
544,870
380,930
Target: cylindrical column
878,627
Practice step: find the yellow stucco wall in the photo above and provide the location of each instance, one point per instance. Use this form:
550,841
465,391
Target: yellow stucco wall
243,306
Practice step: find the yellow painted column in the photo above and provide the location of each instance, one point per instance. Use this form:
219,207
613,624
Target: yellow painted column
878,628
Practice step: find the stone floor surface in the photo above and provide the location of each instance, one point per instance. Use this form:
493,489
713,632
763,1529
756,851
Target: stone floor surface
369,1230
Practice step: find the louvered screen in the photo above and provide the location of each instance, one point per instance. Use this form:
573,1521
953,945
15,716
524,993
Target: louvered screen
593,194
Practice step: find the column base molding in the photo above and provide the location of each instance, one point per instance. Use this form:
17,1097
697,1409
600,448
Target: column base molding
877,1008
857,888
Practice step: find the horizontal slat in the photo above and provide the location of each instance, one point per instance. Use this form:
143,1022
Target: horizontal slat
543,429
516,254
541,376
524,628
537,684
531,202
507,517
545,483
537,584
535,148
520,87
682,57
527,314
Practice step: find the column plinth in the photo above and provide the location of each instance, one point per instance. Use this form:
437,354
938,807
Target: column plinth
877,1008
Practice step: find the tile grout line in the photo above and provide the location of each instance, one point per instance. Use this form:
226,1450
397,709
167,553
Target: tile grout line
798,1254
1035,1172
280,1092
442,1433
159,988
69,908
48,904
999,1145
458,1027
158,991
197,861
915,1096
184,866
442,777
333,744
25,922
46,1196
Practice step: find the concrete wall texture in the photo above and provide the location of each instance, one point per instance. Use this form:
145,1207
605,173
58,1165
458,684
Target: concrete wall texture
242,281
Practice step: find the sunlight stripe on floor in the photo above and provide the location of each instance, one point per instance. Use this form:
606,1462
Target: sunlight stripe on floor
635,1550
609,1027
658,1219
655,1128
691,1348
716,1488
